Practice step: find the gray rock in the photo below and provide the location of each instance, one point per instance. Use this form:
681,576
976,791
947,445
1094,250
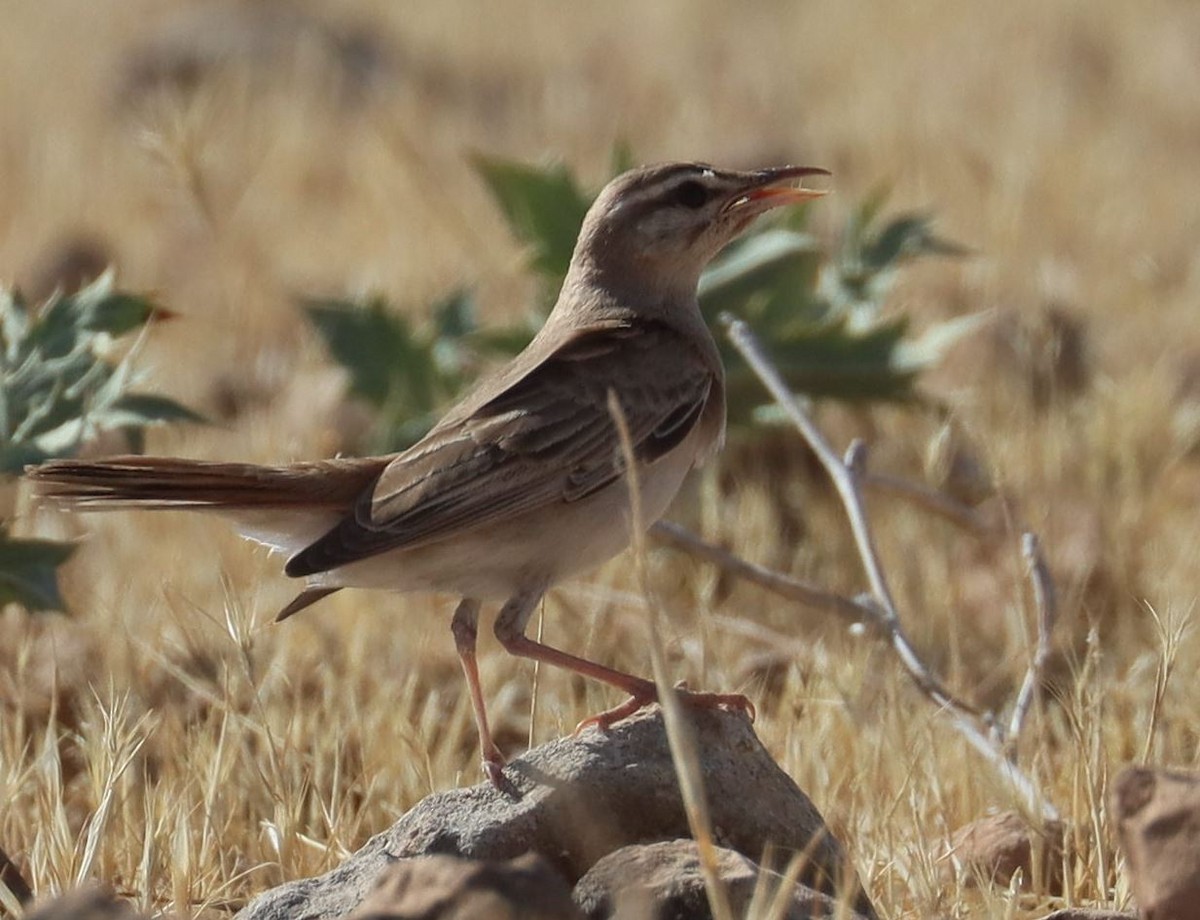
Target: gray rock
92,902
996,847
1158,823
449,888
657,881
579,798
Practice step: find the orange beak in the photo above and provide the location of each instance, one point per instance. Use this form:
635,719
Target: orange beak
766,190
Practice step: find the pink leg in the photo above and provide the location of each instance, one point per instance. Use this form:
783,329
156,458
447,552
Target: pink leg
465,627
510,630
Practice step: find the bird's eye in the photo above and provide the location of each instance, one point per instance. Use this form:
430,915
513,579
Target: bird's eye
691,194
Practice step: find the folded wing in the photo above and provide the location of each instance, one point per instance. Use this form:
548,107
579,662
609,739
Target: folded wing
547,438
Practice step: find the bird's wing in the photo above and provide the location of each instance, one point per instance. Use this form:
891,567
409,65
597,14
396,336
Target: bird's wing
547,438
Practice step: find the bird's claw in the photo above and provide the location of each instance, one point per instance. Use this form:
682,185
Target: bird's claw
493,767
605,720
692,699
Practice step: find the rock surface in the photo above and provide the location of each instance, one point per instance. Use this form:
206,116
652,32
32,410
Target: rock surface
578,799
994,848
89,903
1158,821
653,880
449,888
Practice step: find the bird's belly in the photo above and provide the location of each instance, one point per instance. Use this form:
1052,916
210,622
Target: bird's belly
533,550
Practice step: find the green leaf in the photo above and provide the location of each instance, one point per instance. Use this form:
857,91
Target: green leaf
507,341
367,339
406,373
776,268
829,360
57,384
544,208
15,457
140,409
454,317
119,313
933,344
904,237
29,572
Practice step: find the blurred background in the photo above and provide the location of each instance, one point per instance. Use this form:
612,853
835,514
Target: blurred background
227,155
230,156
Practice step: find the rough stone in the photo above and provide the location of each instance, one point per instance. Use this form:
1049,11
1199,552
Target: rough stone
449,888
579,798
661,880
89,903
994,848
1158,822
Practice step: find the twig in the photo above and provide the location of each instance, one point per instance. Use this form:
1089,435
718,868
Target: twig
978,729
1047,608
845,476
864,610
784,585
931,500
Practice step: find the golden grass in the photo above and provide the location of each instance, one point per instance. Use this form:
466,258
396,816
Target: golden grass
168,739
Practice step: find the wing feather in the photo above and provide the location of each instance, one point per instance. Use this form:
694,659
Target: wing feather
547,438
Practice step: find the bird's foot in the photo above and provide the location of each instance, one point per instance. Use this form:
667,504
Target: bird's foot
493,767
731,701
644,697
605,720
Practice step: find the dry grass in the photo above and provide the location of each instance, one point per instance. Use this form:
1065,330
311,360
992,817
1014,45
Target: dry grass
167,739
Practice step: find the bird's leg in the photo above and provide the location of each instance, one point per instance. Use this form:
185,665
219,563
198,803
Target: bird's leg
465,627
510,630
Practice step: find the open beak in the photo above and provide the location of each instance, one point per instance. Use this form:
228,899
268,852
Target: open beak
773,188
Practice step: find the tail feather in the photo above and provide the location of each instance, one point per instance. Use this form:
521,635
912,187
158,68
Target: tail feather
304,600
167,482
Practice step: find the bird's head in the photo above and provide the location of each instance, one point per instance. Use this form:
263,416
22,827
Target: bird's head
654,229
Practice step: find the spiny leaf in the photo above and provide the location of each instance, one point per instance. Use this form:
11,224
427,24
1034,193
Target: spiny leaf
406,373
454,317
926,351
57,385
505,340
140,409
904,237
544,208
777,267
826,360
368,339
120,313
29,572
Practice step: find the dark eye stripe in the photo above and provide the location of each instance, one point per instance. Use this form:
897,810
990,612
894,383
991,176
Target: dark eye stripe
667,186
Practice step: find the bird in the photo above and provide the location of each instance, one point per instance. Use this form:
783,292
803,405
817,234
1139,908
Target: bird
522,483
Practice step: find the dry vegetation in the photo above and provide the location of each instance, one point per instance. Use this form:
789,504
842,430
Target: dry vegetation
165,737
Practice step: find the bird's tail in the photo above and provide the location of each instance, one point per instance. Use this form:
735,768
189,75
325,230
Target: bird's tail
167,482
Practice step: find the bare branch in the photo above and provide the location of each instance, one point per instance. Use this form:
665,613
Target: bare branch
1046,600
931,500
784,585
847,476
